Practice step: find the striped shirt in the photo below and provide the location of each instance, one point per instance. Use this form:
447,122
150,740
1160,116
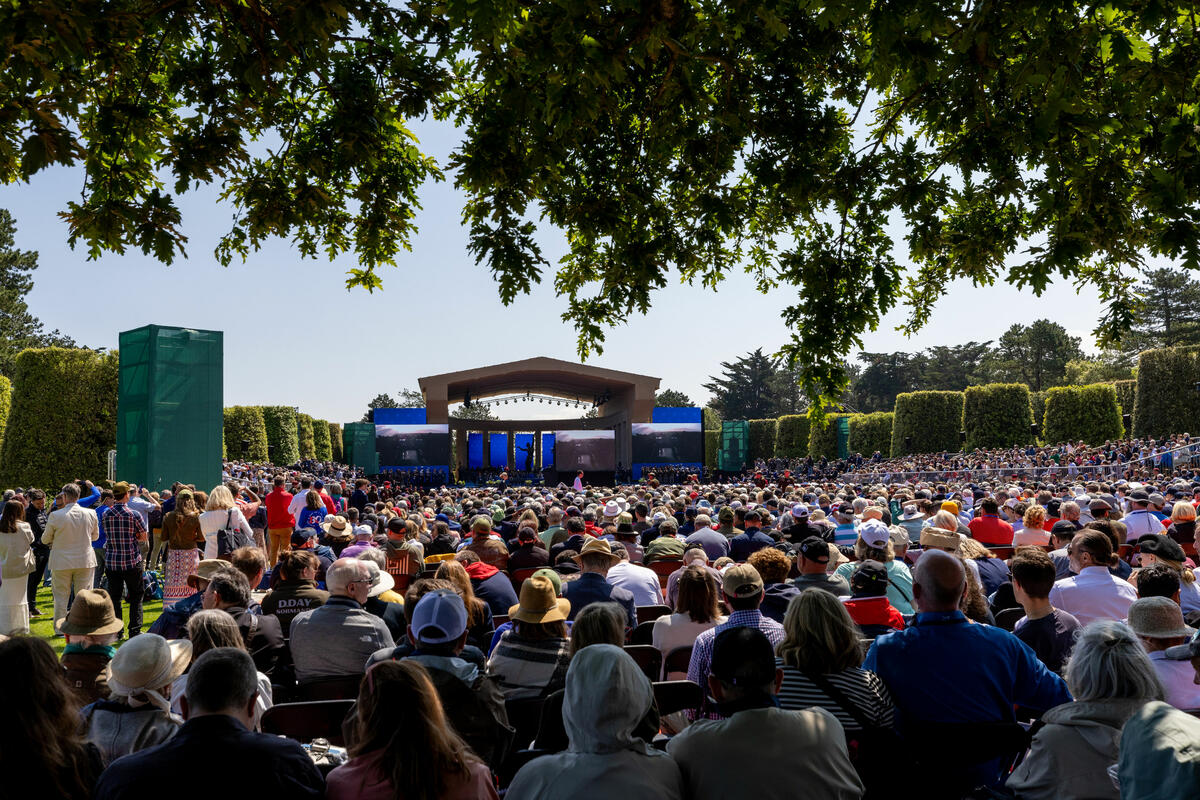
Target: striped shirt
526,668
845,535
868,693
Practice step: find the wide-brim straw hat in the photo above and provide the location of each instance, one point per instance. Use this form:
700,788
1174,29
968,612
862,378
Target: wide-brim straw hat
146,663
539,603
936,537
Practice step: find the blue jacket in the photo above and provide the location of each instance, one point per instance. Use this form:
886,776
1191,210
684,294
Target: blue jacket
751,541
590,587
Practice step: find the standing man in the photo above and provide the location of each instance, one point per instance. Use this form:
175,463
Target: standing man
69,534
35,515
125,532
280,521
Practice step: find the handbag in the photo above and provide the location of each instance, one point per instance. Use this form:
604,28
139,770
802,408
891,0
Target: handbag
872,749
230,538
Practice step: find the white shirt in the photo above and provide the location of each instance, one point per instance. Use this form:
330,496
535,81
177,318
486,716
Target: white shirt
643,582
297,504
1093,594
1026,536
213,521
142,507
1140,522
70,531
1178,678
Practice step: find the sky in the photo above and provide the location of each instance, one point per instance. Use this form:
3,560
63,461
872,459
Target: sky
294,335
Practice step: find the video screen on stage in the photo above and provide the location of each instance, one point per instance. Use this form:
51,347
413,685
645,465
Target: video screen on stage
585,450
668,443
412,445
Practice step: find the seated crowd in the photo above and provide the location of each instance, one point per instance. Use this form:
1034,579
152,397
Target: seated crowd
699,640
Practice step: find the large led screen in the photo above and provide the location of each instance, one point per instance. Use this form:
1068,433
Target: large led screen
412,445
585,450
668,443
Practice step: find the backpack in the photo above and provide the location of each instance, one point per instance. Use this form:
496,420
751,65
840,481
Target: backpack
230,538
151,585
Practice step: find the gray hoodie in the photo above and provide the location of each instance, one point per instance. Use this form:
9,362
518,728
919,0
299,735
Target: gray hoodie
1071,754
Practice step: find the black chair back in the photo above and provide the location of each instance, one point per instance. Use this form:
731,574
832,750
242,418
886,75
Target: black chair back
672,696
319,719
524,716
651,613
642,634
677,660
647,657
339,688
1007,618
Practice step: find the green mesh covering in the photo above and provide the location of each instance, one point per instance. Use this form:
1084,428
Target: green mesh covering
358,439
170,411
735,445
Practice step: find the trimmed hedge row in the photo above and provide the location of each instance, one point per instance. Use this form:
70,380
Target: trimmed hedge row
870,433
1166,398
1087,413
63,418
282,434
997,415
762,439
245,424
304,436
822,440
321,443
791,436
1037,404
5,406
335,442
712,446
931,419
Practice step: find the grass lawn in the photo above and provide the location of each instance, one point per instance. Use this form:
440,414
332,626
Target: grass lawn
43,626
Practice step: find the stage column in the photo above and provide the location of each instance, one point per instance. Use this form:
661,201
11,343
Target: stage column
512,450
537,451
460,449
487,448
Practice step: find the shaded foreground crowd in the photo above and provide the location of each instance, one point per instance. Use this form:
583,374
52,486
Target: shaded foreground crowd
659,641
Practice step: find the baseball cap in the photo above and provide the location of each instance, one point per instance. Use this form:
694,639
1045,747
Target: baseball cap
870,579
741,580
439,617
874,533
1186,651
799,511
551,576
1063,529
814,548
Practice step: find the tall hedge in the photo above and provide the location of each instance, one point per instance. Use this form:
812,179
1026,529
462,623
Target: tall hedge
282,438
335,442
1126,395
997,415
822,439
870,433
5,406
1166,398
762,439
791,436
304,436
932,420
245,424
1082,413
63,418
712,420
712,446
321,443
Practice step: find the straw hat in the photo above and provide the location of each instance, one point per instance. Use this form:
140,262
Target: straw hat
91,615
936,537
539,602
147,663
597,546
205,571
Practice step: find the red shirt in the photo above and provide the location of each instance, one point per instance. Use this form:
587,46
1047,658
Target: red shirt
875,611
328,501
990,529
277,501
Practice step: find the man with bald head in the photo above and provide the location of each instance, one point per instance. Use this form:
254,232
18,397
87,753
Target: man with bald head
947,669
336,639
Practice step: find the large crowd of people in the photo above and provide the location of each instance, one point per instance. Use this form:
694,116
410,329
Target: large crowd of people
1012,625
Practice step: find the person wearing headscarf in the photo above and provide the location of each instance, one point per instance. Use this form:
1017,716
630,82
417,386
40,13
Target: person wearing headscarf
138,714
607,695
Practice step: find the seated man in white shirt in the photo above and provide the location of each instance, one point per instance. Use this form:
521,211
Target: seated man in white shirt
642,582
1158,622
1093,592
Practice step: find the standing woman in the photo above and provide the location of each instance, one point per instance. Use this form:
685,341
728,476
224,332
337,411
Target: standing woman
220,512
313,513
16,562
181,530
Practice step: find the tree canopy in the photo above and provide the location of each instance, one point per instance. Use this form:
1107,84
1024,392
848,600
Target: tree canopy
19,328
675,140
672,398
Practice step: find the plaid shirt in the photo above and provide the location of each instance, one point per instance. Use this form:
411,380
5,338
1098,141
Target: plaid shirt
702,649
122,527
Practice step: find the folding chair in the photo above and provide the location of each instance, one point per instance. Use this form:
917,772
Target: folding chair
664,568
672,696
651,613
319,719
642,634
649,658
677,660
1007,618
339,688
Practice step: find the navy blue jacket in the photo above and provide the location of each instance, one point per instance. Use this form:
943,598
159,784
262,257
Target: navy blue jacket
590,587
753,540
497,592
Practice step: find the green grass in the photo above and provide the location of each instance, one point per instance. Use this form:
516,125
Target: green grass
43,626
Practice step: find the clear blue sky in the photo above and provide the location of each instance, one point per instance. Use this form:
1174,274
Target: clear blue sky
294,335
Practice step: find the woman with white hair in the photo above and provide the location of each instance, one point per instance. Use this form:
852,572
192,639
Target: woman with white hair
137,713
1110,677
